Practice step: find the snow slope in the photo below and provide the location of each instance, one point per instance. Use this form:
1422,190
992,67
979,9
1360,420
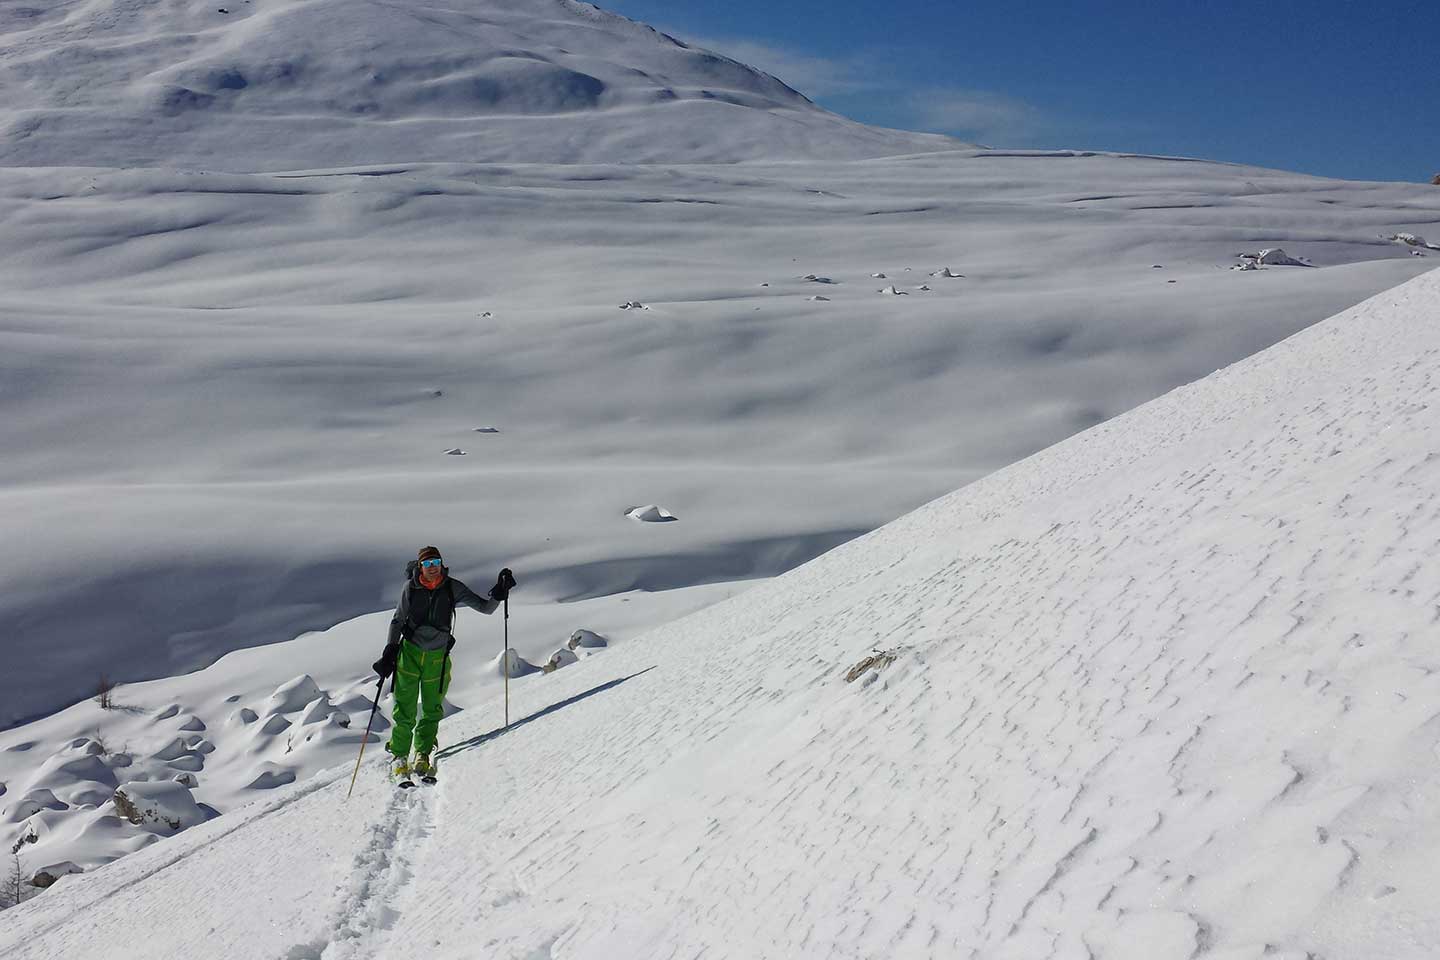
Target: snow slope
251,85
1165,690
264,717
212,385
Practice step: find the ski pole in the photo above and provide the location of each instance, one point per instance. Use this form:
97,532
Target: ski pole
380,689
507,662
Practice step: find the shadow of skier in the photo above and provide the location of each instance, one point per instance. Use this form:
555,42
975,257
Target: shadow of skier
483,738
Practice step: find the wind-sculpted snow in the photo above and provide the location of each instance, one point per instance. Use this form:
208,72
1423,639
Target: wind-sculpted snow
1166,689
285,84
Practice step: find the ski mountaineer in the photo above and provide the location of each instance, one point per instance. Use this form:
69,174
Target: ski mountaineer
417,652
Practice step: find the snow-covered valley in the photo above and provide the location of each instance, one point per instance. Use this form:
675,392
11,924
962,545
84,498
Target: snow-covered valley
1163,690
291,288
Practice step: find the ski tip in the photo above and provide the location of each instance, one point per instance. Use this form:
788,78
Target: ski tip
429,781
405,784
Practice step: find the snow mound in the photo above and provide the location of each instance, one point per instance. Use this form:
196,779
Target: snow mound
651,513
948,273
163,806
519,666
292,695
893,291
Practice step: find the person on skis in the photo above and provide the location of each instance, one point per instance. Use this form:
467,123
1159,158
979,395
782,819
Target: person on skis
417,652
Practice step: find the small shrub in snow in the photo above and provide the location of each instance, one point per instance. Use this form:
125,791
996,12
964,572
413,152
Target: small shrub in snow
163,805
13,891
104,689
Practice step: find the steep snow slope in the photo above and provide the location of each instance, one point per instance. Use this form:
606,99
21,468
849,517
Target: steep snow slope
1166,690
226,401
252,85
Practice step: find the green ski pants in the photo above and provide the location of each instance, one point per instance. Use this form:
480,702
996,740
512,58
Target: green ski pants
417,678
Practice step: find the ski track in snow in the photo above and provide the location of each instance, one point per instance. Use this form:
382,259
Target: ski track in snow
373,896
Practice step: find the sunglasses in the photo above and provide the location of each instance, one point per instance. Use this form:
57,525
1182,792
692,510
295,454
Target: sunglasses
432,562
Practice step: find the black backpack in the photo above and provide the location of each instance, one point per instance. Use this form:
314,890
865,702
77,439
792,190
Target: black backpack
413,622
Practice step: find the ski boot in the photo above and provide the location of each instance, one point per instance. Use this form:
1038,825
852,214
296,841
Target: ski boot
400,772
424,768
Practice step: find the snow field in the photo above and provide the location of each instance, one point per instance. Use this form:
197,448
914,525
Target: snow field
1144,706
300,350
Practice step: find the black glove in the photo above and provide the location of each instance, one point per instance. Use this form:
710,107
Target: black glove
449,644
503,585
386,664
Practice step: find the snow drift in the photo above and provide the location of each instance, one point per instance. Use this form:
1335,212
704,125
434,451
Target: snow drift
1165,690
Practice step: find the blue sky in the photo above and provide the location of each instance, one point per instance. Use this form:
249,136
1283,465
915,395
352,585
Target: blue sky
1339,89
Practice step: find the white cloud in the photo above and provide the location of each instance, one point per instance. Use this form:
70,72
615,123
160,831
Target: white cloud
979,115
975,115
811,75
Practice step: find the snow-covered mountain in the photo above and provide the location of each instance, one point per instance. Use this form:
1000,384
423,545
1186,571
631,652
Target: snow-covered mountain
1166,690
259,85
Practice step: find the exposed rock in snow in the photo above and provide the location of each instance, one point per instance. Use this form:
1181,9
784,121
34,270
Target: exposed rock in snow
947,272
1412,240
587,638
893,291
455,452
560,658
923,287
879,276
812,278
651,513
163,806
633,305
871,665
46,876
1245,265
486,430
1275,257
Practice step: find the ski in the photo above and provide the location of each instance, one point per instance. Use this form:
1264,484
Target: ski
405,784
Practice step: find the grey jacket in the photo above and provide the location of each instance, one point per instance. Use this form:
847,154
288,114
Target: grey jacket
425,617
